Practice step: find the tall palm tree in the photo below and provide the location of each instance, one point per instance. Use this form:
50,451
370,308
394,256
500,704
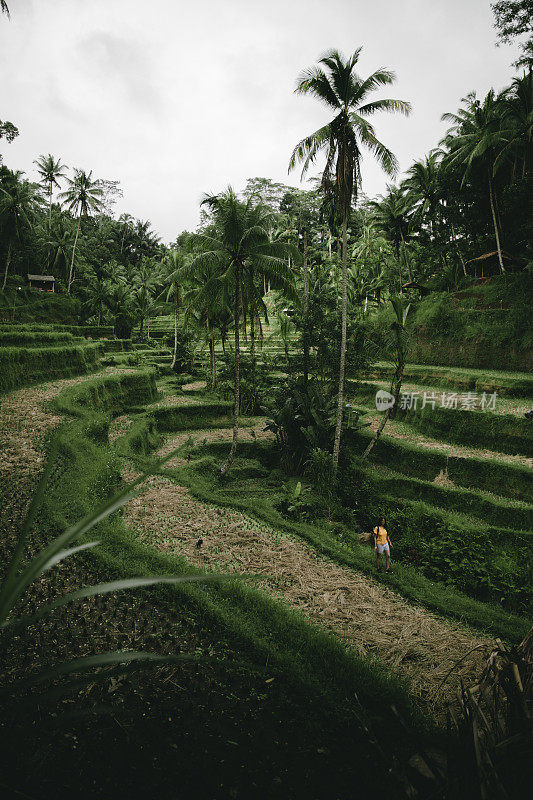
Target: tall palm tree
125,220
59,242
238,237
335,83
423,185
17,205
172,280
50,170
83,197
96,296
393,213
146,283
517,124
476,137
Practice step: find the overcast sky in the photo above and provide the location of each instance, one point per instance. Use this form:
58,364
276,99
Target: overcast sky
176,98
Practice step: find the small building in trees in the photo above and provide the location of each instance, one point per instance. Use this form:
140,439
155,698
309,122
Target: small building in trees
43,283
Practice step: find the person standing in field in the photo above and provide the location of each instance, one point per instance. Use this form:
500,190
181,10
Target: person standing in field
382,543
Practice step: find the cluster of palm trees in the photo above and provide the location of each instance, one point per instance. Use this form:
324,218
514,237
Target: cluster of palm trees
92,255
471,197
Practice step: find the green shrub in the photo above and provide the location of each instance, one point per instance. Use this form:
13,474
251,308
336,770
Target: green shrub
456,499
205,415
116,345
30,306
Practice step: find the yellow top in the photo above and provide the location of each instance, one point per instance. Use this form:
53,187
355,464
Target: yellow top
381,534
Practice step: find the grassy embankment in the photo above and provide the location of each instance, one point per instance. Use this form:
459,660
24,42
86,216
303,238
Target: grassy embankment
256,487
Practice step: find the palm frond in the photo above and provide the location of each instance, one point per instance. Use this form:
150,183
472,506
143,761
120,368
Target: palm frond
388,105
385,158
307,149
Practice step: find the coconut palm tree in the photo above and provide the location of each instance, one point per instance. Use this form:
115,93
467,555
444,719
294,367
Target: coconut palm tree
477,137
335,83
145,284
423,186
125,220
60,243
50,170
517,124
393,214
238,238
96,296
17,206
82,197
172,281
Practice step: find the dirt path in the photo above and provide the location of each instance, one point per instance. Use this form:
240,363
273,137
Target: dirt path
25,418
369,617
404,432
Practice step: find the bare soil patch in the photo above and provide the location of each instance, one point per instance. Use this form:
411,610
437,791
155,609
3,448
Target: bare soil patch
25,418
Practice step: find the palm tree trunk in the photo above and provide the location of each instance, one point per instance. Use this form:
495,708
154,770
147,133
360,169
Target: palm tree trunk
229,459
406,259
213,362
73,254
337,274
397,250
496,233
8,261
395,387
458,251
306,308
50,208
175,353
252,353
338,426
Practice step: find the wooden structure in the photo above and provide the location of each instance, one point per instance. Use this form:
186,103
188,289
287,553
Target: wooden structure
423,290
43,283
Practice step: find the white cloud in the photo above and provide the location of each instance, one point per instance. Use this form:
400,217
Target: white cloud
176,99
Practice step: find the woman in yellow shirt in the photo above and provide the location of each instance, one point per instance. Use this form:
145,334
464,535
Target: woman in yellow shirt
382,543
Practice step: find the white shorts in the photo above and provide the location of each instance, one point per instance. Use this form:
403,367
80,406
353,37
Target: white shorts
383,547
